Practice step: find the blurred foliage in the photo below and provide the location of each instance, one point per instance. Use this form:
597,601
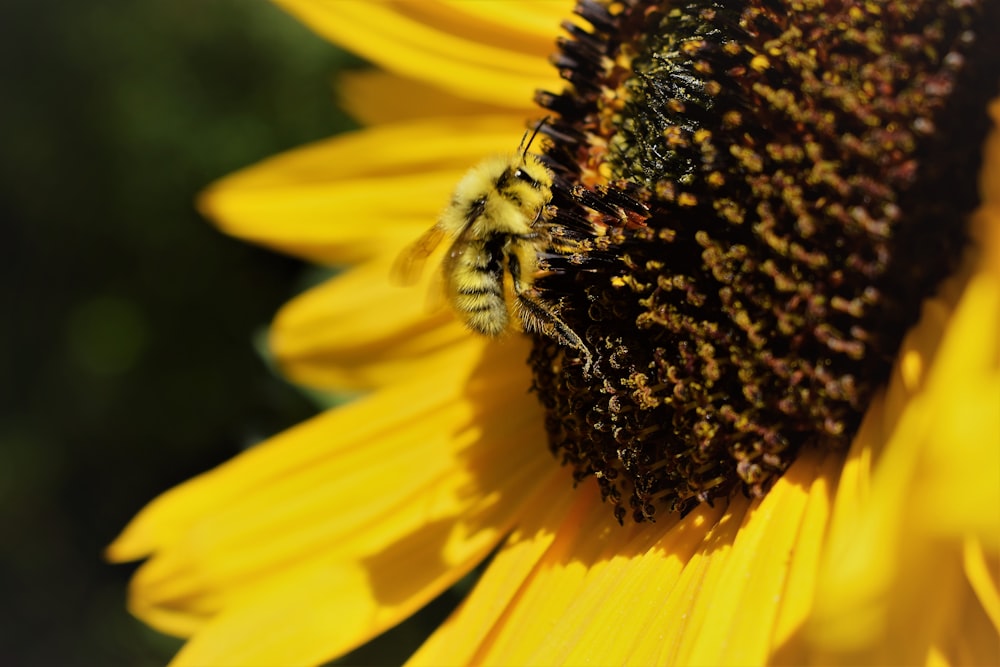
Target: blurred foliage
127,356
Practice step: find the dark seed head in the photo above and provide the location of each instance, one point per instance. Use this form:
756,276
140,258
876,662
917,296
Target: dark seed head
753,199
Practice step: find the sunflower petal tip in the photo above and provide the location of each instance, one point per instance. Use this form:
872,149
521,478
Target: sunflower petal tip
129,546
212,204
204,201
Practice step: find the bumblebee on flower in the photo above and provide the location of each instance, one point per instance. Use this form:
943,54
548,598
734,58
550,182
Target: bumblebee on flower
756,380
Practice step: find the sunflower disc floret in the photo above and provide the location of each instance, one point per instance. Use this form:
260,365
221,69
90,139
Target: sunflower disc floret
755,188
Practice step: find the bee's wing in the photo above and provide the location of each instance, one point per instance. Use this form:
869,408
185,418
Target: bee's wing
408,266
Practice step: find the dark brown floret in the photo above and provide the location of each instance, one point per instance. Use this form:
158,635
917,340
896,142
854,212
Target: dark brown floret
754,198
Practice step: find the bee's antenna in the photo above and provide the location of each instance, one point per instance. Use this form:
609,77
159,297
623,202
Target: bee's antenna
525,145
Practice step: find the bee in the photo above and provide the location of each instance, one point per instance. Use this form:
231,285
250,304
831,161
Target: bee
497,224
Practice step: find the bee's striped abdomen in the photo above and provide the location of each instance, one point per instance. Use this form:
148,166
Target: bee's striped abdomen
476,287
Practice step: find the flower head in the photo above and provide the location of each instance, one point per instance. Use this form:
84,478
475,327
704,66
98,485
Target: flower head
750,208
787,160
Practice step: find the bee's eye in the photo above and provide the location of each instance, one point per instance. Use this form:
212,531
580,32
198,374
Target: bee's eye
522,175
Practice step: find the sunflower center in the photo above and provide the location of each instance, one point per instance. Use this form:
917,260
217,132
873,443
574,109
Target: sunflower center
758,196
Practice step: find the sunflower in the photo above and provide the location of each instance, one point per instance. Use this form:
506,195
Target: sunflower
853,520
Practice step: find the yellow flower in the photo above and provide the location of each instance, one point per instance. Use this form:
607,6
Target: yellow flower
334,531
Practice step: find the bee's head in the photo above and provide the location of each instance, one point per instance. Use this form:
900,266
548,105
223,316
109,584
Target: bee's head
518,190
527,184
527,180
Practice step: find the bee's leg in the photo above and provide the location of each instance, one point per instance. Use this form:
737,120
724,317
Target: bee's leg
540,316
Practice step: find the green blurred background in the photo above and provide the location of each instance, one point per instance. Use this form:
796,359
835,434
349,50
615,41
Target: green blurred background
128,321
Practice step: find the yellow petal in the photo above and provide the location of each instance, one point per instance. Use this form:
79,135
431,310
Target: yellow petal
468,53
716,587
362,514
372,97
956,491
536,17
358,332
983,573
667,629
556,585
893,588
621,618
780,537
458,639
873,591
349,198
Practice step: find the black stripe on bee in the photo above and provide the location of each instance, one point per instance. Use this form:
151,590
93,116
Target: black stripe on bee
522,175
492,290
482,307
493,266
